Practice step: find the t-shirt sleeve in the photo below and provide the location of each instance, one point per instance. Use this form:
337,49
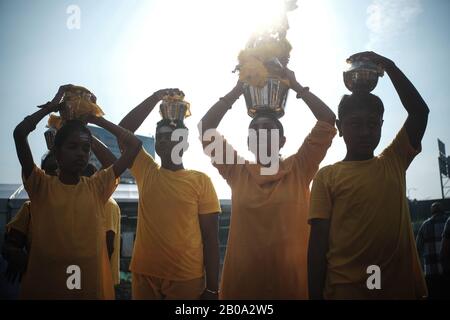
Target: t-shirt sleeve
21,220
36,183
446,233
314,148
208,201
321,203
104,183
401,151
223,156
143,165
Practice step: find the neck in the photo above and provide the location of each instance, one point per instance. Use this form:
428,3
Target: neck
169,165
357,157
69,178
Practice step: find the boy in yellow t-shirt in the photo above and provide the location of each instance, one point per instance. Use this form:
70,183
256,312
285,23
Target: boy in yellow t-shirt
268,237
68,259
18,231
176,252
361,244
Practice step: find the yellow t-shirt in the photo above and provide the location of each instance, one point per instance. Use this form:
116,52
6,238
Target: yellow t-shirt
369,225
68,230
21,222
266,255
112,223
168,239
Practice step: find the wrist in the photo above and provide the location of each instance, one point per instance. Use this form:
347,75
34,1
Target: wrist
232,96
212,291
301,92
235,93
389,66
297,87
154,98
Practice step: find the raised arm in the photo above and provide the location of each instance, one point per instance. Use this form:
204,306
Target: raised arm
215,114
133,120
131,143
412,101
320,110
102,152
28,125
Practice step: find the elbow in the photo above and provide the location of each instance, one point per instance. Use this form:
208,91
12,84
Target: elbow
135,146
19,133
138,144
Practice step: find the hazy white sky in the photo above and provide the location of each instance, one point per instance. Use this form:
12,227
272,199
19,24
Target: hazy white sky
125,50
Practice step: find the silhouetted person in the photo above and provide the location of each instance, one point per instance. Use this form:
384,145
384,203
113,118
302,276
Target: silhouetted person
429,240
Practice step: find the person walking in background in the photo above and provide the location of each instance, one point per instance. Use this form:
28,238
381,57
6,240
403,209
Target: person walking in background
429,240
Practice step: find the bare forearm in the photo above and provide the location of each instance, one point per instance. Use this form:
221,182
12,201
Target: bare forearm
216,113
131,143
103,154
133,120
320,110
211,262
27,125
316,272
410,97
317,261
21,133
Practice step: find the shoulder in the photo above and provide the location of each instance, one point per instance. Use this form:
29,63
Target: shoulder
426,223
328,170
198,175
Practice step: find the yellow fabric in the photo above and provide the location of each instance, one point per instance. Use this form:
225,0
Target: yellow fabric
252,68
68,229
112,223
168,239
54,121
266,255
79,106
370,225
178,99
21,220
152,288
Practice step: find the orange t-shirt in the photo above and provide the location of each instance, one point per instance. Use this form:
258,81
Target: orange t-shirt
266,255
370,225
67,226
168,242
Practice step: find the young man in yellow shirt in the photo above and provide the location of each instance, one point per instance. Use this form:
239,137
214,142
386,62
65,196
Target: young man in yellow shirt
361,244
176,247
16,247
68,236
267,242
